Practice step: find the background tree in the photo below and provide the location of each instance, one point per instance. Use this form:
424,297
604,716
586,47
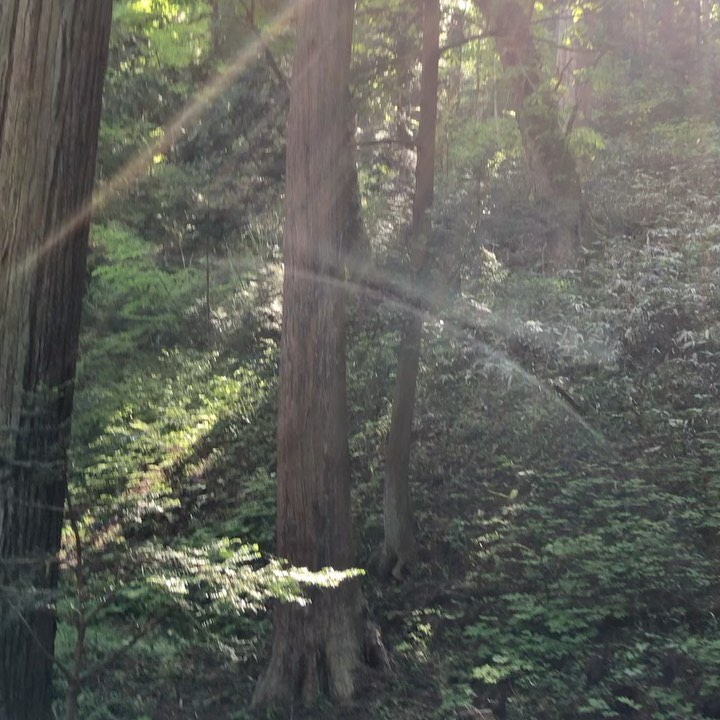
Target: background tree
398,522
52,62
316,649
553,177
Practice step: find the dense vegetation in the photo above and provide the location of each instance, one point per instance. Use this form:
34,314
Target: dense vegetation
566,460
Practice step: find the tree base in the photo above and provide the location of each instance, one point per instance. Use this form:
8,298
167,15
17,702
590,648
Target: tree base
395,564
319,650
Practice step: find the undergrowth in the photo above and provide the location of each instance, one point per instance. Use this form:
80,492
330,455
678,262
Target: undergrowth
565,469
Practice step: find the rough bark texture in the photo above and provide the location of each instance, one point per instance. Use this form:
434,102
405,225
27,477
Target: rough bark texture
316,649
52,63
554,181
399,527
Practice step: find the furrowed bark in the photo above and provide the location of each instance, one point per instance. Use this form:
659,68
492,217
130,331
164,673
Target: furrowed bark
52,63
317,649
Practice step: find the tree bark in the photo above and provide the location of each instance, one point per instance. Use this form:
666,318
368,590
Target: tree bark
316,650
52,63
399,543
554,181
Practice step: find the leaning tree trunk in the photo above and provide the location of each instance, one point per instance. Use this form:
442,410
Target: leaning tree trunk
554,180
52,63
316,649
399,532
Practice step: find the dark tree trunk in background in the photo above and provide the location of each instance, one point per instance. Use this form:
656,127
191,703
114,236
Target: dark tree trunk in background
554,181
52,63
399,532
317,650
229,31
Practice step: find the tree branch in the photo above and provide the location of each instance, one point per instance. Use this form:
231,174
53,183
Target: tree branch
269,57
460,42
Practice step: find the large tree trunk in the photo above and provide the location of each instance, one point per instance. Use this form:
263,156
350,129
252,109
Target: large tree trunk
52,63
554,181
316,649
399,527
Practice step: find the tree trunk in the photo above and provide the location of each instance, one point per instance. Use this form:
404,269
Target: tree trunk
399,547
554,181
52,63
399,533
317,650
